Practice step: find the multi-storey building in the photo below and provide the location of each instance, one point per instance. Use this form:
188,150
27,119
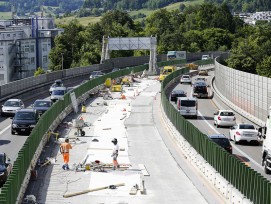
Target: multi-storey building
24,46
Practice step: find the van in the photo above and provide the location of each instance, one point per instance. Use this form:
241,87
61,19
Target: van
188,106
58,93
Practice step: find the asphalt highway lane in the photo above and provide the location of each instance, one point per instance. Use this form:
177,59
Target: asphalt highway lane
11,144
250,153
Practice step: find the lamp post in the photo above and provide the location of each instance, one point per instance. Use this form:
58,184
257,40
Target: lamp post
62,59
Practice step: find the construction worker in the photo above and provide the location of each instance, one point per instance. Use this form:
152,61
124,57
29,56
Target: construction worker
115,154
65,151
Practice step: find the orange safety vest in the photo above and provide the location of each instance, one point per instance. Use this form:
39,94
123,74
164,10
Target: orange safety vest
65,147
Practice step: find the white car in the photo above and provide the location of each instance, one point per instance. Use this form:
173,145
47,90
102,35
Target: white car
58,83
96,74
58,93
11,106
243,132
186,79
205,57
224,118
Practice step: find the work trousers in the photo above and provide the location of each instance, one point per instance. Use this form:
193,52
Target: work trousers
66,157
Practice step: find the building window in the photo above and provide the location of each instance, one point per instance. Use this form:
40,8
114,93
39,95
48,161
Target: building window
44,47
2,76
8,35
1,51
32,48
26,48
44,59
32,60
14,35
27,61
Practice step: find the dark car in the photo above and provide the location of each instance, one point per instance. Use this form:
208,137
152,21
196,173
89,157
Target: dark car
5,168
24,121
177,93
222,141
200,89
42,105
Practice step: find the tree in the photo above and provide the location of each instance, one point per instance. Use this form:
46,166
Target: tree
264,68
39,71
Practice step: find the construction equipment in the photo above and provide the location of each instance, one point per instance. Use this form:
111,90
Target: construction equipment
166,71
127,80
192,66
94,189
79,124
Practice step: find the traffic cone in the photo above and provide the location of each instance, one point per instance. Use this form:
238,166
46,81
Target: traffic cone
124,109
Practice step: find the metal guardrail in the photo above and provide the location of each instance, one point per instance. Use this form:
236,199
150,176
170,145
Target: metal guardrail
249,182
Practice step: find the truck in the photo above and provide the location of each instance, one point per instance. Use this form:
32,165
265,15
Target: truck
176,55
265,133
166,71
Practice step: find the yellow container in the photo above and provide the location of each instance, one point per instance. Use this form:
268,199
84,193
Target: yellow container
87,166
107,82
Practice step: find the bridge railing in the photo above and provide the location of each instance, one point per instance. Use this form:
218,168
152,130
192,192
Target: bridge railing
249,182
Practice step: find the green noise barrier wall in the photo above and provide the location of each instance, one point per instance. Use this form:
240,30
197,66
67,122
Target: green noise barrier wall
249,182
11,189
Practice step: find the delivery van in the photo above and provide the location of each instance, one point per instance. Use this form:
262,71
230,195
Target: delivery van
188,106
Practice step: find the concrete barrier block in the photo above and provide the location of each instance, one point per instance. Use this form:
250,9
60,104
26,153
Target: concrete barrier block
210,173
236,197
221,184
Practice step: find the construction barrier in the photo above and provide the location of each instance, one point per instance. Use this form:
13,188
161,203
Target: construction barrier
250,183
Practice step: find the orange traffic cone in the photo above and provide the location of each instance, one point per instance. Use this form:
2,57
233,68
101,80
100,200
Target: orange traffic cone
123,96
124,109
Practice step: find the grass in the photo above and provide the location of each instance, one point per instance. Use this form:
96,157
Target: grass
86,20
5,15
83,21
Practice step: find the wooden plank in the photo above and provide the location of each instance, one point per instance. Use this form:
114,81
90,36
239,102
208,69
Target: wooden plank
91,190
143,169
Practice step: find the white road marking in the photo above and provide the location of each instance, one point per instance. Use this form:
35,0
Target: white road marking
5,129
236,148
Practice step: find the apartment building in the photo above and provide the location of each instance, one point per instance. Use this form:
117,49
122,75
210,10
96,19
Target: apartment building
24,46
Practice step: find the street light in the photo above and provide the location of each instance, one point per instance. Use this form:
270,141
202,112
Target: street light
62,59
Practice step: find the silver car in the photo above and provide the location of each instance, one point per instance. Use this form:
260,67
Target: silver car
11,106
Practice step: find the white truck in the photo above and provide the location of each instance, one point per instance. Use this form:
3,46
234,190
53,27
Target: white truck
265,133
176,55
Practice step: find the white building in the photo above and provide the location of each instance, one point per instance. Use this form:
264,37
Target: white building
24,46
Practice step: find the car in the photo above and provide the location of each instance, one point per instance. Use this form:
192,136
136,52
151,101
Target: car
224,118
222,141
200,89
205,57
203,72
24,121
96,74
11,106
42,105
58,83
243,132
177,93
198,79
115,69
5,168
58,93
188,106
186,79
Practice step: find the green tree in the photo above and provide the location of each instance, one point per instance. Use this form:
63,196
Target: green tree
39,71
264,68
